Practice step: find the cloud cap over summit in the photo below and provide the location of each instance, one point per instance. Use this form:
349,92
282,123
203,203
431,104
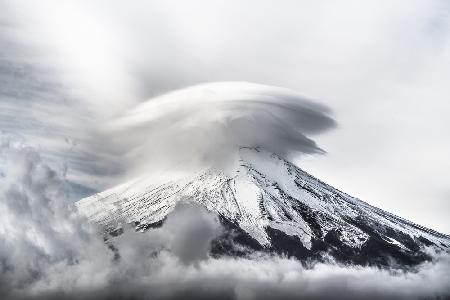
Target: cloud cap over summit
204,124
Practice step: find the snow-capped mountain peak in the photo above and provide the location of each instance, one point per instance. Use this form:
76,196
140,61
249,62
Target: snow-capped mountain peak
265,196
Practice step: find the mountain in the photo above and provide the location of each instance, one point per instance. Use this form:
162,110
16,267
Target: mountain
268,204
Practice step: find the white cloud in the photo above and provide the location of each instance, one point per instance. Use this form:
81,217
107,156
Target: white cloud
204,126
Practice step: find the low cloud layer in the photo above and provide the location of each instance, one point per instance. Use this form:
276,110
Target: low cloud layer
48,252
204,125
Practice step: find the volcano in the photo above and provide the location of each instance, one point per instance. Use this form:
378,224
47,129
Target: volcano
267,204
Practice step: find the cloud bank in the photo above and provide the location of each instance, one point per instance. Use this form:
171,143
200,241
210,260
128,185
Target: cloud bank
47,251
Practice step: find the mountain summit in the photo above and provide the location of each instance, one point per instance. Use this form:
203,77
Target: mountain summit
268,204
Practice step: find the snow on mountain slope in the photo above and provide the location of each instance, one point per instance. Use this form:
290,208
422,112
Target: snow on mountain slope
264,193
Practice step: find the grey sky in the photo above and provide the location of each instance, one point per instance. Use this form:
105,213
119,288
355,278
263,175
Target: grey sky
381,66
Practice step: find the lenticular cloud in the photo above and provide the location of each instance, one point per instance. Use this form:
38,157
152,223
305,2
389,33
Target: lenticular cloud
204,124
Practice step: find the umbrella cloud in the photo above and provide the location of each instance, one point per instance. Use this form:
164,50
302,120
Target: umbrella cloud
203,125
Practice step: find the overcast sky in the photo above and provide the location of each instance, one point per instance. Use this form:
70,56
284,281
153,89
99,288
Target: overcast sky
382,67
